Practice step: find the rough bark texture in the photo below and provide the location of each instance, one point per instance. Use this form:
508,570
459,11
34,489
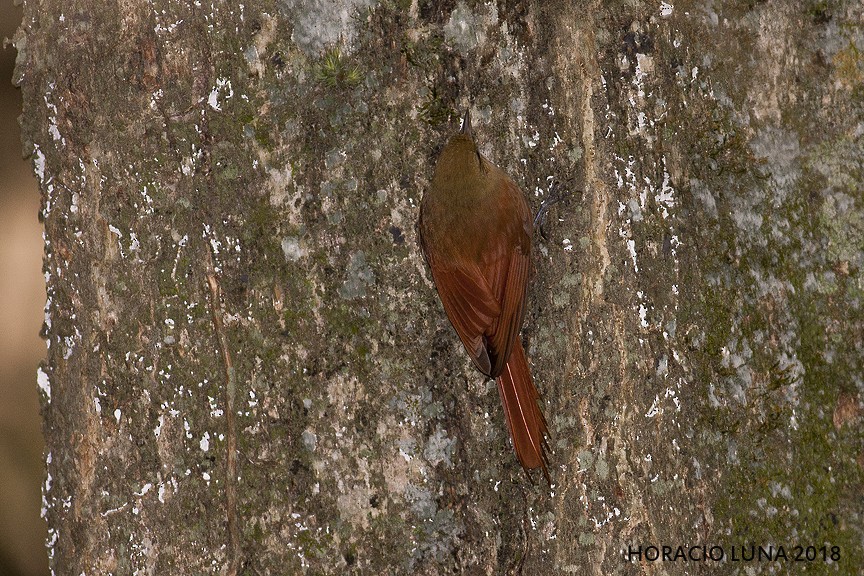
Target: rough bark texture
249,371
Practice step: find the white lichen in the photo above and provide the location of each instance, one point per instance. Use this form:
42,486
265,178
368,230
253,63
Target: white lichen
44,383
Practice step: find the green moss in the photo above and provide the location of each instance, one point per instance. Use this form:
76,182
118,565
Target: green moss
802,488
342,322
423,54
260,230
849,64
314,544
791,474
262,136
434,110
334,70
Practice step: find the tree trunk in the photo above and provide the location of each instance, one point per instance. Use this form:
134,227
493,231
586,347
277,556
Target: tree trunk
249,371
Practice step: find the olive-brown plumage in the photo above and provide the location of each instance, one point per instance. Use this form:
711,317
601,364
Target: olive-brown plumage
475,232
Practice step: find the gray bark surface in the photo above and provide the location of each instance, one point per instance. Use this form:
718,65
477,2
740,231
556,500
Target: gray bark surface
249,371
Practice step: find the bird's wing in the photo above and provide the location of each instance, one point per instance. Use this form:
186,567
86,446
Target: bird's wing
507,268
485,300
470,306
509,281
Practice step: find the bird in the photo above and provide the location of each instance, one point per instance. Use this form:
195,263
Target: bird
475,231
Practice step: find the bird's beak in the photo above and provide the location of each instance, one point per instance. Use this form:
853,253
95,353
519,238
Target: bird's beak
466,122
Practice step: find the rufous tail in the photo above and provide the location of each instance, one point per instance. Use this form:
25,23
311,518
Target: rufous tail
524,418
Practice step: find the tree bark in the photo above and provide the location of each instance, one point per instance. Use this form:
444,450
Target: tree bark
248,369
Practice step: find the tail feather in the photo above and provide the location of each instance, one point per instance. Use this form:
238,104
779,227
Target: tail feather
524,419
